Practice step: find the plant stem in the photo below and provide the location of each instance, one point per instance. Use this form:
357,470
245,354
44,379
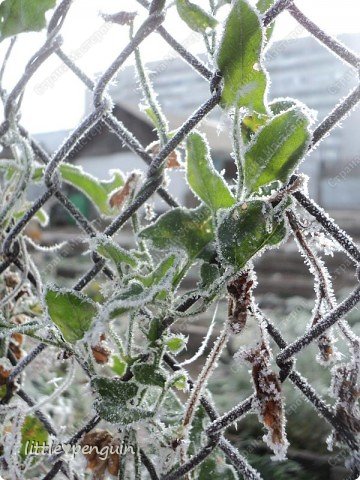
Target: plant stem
237,151
149,94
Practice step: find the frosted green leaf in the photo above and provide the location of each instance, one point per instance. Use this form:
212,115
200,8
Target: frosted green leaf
32,432
160,274
246,229
250,124
203,179
182,229
148,375
17,16
113,399
115,390
239,59
109,249
176,343
195,17
181,382
118,366
277,149
96,190
209,274
71,312
143,289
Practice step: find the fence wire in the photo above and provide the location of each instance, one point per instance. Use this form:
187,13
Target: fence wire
101,115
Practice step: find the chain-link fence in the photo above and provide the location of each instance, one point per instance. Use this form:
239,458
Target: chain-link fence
101,115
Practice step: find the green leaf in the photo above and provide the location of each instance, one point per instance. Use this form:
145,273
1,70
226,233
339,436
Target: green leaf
282,104
203,179
160,275
71,312
130,297
250,124
113,400
182,229
246,229
195,17
239,59
143,289
209,274
106,247
96,190
124,416
118,366
153,118
17,16
277,149
176,343
114,390
148,375
33,432
180,382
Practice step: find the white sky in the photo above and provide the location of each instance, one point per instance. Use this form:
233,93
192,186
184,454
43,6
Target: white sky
62,105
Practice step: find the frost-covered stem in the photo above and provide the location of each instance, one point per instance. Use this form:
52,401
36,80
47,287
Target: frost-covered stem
38,337
130,334
158,356
213,32
161,398
136,229
137,459
236,140
117,341
329,225
322,278
3,66
204,343
150,96
199,386
209,47
122,469
89,363
201,382
24,158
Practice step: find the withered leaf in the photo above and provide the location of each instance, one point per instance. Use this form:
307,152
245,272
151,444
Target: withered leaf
239,300
119,197
268,393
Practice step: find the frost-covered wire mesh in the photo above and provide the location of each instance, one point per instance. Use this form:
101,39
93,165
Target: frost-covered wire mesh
159,452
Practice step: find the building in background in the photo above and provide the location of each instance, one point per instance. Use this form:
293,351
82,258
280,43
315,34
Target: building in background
299,67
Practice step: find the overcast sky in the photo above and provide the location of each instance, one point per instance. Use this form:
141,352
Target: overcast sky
61,106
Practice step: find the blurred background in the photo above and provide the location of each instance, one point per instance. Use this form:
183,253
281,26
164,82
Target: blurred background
299,67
